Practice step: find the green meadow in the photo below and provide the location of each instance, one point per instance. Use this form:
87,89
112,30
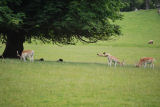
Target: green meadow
84,79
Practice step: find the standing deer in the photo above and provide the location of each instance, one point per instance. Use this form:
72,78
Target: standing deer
26,54
146,60
111,59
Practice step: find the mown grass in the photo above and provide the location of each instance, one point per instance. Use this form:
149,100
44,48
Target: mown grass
138,28
84,79
77,84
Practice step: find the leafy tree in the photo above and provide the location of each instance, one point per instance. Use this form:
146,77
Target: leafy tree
129,5
58,21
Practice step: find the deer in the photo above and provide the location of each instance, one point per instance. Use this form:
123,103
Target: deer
111,59
146,60
26,54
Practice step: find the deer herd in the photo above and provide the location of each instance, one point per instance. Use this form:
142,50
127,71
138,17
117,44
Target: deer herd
29,54
142,62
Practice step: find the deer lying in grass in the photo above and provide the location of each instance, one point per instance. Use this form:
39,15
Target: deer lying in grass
111,59
26,54
146,60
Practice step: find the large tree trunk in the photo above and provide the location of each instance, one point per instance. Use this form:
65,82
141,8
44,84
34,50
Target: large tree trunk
14,43
147,4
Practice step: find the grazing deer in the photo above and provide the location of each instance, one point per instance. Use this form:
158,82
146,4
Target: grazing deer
111,59
26,54
146,60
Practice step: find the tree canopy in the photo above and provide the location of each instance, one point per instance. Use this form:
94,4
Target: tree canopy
60,20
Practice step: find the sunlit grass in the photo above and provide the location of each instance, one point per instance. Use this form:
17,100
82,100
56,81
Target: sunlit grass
77,84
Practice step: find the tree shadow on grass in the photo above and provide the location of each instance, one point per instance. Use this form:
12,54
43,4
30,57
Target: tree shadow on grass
86,64
74,63
128,66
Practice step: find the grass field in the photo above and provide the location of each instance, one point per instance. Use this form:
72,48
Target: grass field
84,79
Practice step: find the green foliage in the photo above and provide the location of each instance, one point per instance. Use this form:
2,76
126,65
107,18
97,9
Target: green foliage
9,18
61,21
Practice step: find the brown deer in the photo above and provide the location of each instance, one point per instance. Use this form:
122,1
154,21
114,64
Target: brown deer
111,59
146,60
26,54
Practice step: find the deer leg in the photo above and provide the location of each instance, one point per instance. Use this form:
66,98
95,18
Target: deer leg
145,64
32,59
24,59
115,63
108,63
152,65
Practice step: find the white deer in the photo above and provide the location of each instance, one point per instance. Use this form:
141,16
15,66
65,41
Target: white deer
26,54
111,59
146,60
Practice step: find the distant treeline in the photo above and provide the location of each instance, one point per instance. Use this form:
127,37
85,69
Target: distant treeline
130,5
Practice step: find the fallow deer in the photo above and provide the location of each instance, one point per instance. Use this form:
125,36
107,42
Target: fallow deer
146,60
26,54
111,59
